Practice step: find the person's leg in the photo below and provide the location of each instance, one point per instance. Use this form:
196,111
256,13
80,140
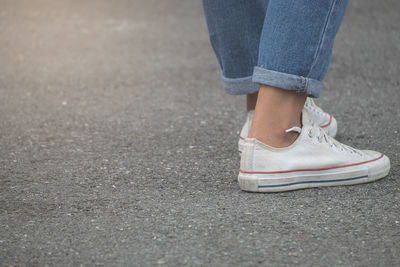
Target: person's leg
276,111
279,155
294,54
235,28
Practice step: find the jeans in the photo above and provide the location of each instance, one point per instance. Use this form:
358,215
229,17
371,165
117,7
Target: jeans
281,43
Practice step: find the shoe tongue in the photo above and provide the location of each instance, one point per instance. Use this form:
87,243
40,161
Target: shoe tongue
305,118
308,101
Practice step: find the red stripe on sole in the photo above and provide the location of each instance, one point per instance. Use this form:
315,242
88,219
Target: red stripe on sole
317,169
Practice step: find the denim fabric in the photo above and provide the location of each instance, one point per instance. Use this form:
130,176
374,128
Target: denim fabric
281,43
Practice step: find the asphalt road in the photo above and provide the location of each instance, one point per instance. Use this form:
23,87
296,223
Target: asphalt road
119,147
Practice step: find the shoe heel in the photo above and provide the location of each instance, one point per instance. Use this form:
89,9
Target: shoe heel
248,182
240,146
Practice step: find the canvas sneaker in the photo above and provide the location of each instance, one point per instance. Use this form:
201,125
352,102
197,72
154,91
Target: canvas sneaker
315,159
314,113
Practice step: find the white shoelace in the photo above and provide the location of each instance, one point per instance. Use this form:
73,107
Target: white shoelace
294,129
322,136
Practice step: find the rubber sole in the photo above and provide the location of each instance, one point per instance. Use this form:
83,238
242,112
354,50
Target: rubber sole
311,179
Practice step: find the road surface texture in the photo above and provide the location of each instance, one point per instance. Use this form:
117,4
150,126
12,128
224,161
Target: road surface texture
119,146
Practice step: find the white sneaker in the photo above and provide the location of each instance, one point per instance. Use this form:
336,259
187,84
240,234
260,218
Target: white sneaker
314,113
315,159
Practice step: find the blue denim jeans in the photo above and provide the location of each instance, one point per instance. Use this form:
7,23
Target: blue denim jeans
281,43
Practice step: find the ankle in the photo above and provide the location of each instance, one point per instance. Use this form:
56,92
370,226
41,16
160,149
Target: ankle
276,111
277,138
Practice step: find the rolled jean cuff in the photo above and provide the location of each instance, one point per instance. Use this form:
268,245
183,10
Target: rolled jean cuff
239,86
287,81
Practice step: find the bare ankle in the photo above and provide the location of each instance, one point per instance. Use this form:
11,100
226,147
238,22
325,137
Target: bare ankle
276,139
276,110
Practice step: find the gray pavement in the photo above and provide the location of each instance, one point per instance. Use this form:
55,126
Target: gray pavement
118,145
